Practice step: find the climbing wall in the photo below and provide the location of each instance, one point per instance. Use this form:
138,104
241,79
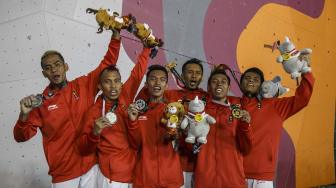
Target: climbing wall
234,32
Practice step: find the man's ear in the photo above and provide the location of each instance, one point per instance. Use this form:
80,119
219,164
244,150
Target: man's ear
66,67
44,74
99,86
183,76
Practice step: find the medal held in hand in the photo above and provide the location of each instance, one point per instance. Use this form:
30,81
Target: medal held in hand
141,105
236,111
37,101
112,117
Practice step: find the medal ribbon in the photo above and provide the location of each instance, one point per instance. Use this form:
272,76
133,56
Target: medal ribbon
113,108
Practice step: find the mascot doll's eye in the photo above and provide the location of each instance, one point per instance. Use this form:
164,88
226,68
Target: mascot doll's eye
109,12
172,110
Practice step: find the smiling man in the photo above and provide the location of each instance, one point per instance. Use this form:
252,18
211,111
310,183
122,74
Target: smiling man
104,133
158,164
192,74
220,160
268,116
58,114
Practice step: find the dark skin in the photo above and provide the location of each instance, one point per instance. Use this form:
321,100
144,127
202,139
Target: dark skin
54,69
219,87
111,85
192,76
251,84
156,83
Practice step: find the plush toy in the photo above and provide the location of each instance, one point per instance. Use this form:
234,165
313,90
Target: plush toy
145,34
290,59
172,118
197,122
111,21
272,88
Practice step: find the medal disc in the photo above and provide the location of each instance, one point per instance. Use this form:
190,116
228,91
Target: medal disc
198,117
236,113
140,104
37,101
285,56
173,119
112,117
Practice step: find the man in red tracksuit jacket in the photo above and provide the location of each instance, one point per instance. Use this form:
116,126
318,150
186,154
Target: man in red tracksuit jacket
267,117
108,137
192,74
158,165
220,161
59,117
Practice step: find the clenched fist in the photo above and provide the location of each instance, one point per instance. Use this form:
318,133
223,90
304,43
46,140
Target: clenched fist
100,124
133,112
245,116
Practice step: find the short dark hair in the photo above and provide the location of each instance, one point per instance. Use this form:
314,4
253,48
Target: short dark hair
51,52
156,67
254,70
192,61
218,71
110,68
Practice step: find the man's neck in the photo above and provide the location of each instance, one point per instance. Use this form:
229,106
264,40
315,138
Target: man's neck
220,100
60,85
156,99
250,95
190,89
108,100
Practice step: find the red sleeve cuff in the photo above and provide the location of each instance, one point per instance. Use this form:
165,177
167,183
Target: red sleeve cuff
20,123
94,138
115,42
133,124
244,126
146,51
308,75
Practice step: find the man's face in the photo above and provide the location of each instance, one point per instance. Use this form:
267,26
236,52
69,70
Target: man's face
157,83
251,83
110,84
219,86
192,75
54,69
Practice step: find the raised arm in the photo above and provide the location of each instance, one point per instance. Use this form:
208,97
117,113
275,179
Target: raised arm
288,106
110,58
28,122
132,84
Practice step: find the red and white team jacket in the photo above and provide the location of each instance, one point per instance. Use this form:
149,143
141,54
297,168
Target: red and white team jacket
158,165
266,123
220,161
186,156
59,120
115,156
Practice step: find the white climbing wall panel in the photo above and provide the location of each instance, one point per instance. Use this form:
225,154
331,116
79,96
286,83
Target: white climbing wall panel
28,28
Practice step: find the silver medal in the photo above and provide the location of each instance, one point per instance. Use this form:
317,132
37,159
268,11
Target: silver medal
37,101
140,104
112,117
